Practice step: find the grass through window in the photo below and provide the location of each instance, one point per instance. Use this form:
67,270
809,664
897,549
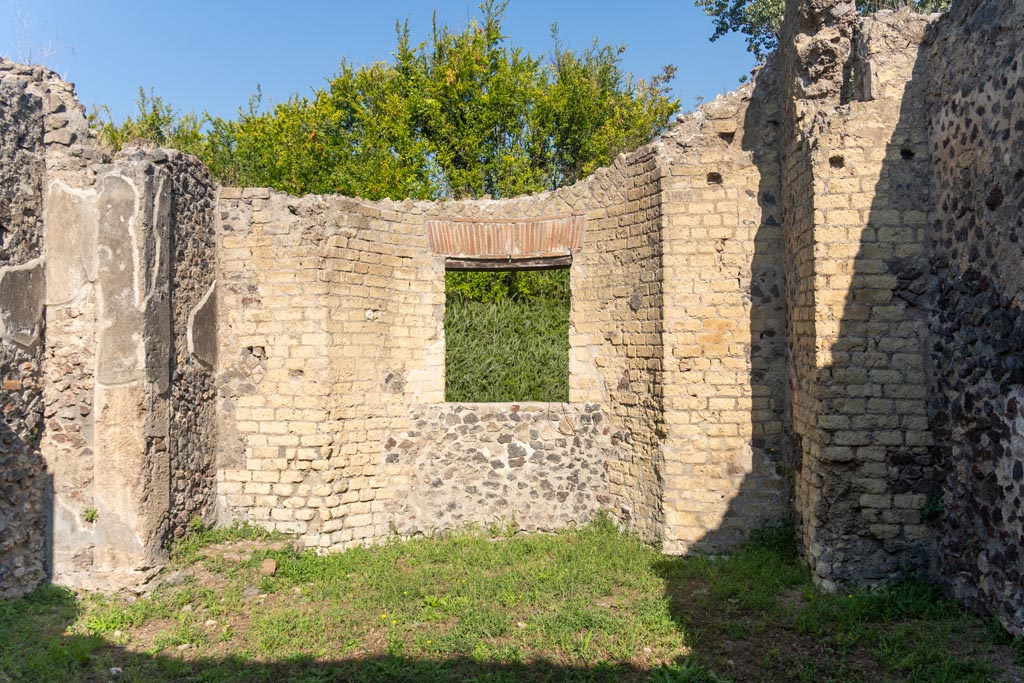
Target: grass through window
507,336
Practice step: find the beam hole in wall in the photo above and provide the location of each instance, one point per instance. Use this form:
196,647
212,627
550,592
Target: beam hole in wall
906,154
714,178
506,334
727,137
836,161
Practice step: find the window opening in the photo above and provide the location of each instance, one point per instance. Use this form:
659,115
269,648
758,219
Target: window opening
506,332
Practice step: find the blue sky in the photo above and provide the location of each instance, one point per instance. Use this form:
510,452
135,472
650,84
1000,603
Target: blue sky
211,55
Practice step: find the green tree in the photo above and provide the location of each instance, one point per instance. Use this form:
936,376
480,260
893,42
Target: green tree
462,114
760,20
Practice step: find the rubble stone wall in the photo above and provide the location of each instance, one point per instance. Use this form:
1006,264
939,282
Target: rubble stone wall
107,369
193,339
976,98
538,467
35,108
22,478
85,300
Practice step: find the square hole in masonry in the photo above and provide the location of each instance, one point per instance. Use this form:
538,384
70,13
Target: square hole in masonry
507,334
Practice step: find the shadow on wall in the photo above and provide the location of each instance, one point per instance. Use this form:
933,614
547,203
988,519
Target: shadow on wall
771,438
857,200
905,334
874,470
920,408
913,453
976,384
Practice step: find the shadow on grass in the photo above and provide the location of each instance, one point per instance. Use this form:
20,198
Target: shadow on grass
751,617
36,644
757,617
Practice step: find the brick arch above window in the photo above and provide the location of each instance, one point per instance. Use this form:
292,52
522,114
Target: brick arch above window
527,243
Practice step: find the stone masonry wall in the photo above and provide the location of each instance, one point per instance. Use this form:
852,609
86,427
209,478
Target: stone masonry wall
808,288
22,478
43,138
976,93
616,328
193,339
85,292
817,40
537,466
332,340
307,337
107,369
803,403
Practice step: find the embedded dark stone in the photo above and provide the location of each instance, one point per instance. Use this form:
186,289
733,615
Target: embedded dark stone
995,198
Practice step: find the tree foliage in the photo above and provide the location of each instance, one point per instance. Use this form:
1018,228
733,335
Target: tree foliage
462,114
760,20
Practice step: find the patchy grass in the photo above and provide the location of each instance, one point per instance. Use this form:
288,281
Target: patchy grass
586,605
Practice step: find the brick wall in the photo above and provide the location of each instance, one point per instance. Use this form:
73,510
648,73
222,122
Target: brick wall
857,193
616,325
332,347
726,447
332,341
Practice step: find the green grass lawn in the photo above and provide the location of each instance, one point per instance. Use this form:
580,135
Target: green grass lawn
586,605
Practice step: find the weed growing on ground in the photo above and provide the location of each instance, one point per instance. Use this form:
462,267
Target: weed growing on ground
186,550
